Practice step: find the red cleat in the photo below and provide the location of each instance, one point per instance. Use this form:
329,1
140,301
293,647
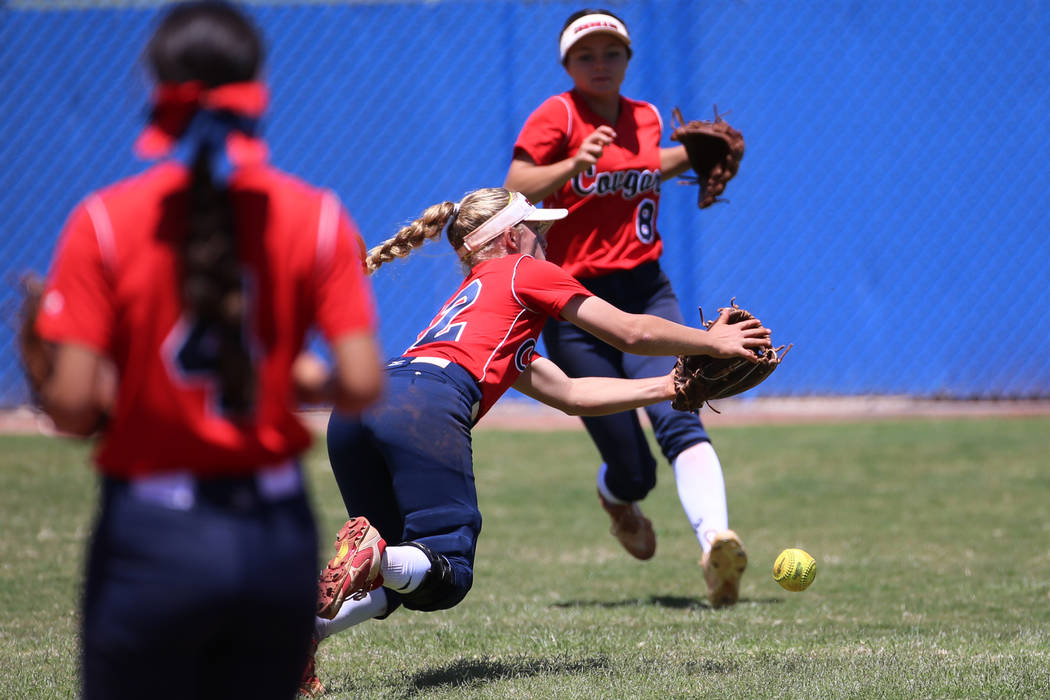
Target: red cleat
355,568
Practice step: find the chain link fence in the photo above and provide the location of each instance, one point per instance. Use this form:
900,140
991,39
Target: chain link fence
889,218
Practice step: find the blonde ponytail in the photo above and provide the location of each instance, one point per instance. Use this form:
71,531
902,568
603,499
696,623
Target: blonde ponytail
429,225
455,220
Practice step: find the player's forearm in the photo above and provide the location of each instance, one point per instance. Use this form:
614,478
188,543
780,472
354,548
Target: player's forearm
598,396
652,335
537,182
590,396
673,162
638,334
79,391
72,414
75,423
357,377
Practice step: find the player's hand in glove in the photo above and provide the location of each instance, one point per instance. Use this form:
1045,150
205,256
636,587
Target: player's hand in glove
699,379
714,149
736,339
37,355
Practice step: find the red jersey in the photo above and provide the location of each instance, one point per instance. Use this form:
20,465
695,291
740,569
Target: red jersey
114,287
612,207
490,325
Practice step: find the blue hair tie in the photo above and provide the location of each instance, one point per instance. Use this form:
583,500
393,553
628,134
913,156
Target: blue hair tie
211,129
448,221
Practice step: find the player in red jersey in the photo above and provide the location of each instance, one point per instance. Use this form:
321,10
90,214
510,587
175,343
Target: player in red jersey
597,153
196,282
406,467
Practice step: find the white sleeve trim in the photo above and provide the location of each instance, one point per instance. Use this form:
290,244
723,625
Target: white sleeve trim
327,227
568,116
514,282
659,119
103,225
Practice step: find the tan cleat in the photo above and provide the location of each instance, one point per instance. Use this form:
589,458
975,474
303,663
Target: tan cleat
311,688
723,566
310,685
631,528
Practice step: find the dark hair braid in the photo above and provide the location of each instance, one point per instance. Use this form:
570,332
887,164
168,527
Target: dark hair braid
213,43
212,286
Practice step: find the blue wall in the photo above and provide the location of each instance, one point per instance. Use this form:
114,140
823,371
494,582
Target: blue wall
889,218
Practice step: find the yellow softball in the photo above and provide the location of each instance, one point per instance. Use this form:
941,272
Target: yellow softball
794,569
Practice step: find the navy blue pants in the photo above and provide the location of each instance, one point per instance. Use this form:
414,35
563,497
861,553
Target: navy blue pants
619,437
407,466
216,601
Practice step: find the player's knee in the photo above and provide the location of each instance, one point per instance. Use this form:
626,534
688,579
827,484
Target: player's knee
634,487
641,488
444,586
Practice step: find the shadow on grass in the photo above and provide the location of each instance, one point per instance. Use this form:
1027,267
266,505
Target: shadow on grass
661,601
465,672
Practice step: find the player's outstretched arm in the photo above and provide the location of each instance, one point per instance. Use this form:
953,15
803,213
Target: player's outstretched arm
673,162
644,334
590,396
80,391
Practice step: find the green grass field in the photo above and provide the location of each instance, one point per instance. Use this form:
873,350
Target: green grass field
932,539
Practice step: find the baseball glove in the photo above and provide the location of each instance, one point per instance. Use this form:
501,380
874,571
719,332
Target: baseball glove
699,378
714,150
37,354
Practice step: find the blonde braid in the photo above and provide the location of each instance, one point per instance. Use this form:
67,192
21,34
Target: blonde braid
474,209
429,225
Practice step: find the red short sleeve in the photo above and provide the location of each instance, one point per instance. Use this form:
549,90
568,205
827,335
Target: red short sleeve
344,296
544,287
544,137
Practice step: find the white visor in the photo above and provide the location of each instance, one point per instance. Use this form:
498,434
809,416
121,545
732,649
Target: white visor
516,211
592,24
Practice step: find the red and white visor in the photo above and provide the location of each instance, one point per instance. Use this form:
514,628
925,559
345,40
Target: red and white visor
592,24
517,210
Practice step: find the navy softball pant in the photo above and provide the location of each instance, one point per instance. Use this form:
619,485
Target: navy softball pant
631,472
207,593
407,465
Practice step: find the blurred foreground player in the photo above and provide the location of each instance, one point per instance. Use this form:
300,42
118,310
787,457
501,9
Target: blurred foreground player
178,302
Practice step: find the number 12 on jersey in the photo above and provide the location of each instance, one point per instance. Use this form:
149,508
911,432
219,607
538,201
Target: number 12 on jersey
444,327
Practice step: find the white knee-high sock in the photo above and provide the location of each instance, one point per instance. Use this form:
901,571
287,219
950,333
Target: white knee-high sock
353,612
702,491
404,568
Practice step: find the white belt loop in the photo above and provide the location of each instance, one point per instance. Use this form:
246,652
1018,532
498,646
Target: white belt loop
175,490
279,481
438,361
178,490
